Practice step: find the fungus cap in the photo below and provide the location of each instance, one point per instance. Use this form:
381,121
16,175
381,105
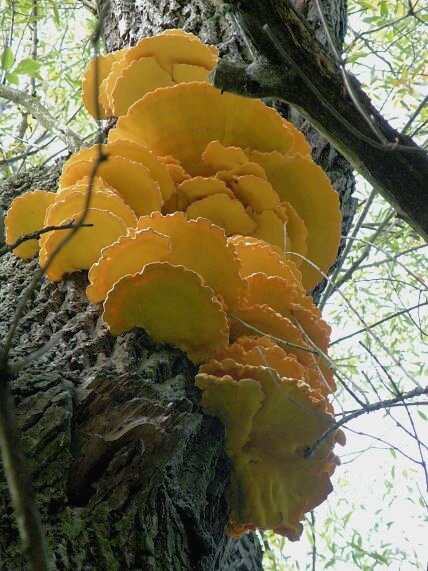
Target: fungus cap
25,215
173,306
302,183
259,355
133,152
84,248
257,256
220,157
128,255
131,180
263,320
141,76
255,192
69,203
182,120
226,212
200,187
201,247
171,48
272,484
83,185
90,87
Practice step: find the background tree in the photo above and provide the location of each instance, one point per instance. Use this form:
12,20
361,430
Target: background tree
127,471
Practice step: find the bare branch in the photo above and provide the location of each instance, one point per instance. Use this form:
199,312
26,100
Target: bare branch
36,235
364,410
383,320
33,106
294,67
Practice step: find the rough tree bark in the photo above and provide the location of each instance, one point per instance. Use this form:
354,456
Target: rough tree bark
128,473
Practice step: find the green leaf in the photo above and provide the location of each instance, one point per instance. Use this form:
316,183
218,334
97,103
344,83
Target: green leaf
56,16
383,9
7,59
28,66
12,78
422,415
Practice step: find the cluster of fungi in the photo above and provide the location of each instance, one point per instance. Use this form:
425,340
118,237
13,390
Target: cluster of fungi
209,223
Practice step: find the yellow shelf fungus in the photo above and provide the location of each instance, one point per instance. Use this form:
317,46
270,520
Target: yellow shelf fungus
270,421
204,208
131,180
168,121
303,184
84,248
160,61
27,215
133,152
67,204
201,247
126,256
169,303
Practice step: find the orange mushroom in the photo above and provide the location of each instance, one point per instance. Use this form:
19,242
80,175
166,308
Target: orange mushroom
220,157
133,152
292,303
198,188
272,484
173,306
132,181
128,255
202,247
159,61
67,204
168,121
97,72
257,256
84,248
263,320
84,184
226,212
26,215
307,188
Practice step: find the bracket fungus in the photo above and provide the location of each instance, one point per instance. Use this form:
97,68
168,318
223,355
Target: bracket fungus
26,215
201,247
130,179
160,61
173,306
84,248
133,152
209,221
272,484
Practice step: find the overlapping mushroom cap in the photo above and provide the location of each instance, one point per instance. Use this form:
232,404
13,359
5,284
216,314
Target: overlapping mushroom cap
271,188
209,222
164,60
173,305
270,421
26,215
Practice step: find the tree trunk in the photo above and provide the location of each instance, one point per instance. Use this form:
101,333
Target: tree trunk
128,472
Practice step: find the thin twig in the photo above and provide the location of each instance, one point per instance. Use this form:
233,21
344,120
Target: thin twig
400,394
33,106
364,410
359,317
314,542
348,247
277,339
36,235
376,323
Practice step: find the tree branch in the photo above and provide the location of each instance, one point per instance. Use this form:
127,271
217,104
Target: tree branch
32,105
294,67
364,410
